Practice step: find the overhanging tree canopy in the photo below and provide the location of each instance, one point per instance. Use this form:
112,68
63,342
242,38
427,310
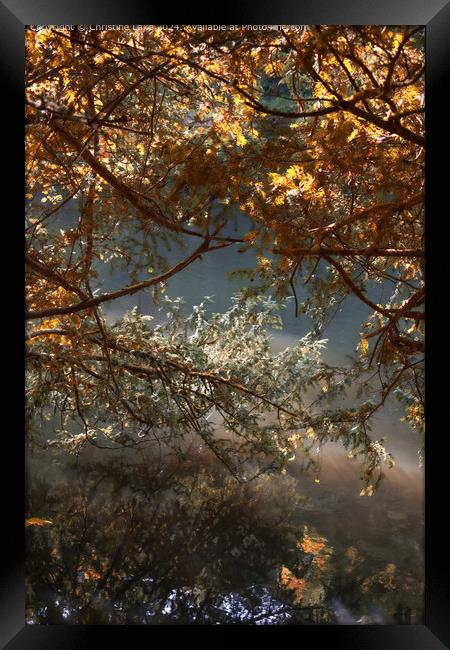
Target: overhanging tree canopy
157,134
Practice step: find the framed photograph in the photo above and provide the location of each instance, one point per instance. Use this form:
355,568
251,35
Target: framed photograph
224,282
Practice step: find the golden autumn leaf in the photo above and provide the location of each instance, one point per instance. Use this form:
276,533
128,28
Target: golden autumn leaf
364,346
37,521
251,235
311,544
289,581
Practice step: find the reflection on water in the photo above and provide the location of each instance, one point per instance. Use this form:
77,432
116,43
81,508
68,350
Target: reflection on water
147,538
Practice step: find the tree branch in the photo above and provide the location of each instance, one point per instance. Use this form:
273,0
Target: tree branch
359,294
345,252
88,303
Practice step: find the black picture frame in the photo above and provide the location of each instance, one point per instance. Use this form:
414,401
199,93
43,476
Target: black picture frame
14,15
